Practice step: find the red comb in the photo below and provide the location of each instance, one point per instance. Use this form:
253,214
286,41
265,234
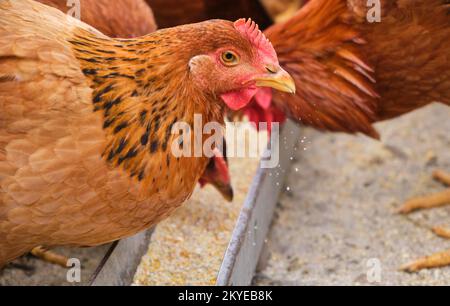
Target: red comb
250,29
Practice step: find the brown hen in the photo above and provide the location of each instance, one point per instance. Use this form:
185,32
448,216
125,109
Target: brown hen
135,19
86,120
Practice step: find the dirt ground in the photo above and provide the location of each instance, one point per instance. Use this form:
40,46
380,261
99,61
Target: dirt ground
30,271
336,218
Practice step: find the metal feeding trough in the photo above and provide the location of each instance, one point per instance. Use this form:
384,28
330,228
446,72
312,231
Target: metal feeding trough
250,234
119,266
116,265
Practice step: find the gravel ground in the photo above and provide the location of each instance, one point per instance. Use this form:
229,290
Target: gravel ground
337,214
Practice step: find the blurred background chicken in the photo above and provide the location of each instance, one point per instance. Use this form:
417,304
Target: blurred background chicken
171,13
175,12
282,10
351,73
86,121
118,18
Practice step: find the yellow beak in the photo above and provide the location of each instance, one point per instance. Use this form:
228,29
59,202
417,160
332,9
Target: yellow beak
277,78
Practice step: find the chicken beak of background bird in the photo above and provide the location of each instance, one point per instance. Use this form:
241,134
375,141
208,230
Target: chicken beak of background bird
276,78
226,191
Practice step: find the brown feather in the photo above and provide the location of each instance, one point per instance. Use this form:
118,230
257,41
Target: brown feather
335,88
351,73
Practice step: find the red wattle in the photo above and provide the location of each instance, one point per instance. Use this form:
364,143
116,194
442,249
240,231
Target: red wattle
264,97
257,114
237,100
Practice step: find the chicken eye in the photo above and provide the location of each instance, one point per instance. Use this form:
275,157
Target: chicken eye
230,58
